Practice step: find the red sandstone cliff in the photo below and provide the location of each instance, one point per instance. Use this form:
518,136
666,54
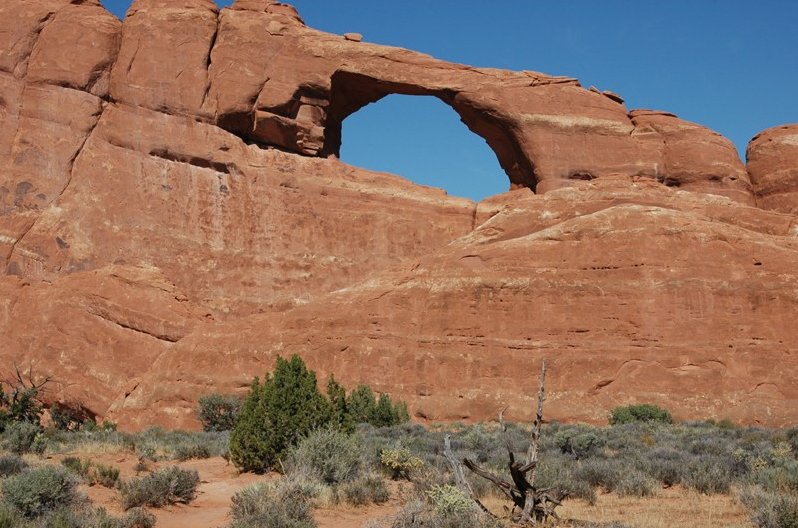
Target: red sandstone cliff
173,215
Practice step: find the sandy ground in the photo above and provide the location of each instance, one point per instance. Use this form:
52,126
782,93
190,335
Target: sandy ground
671,508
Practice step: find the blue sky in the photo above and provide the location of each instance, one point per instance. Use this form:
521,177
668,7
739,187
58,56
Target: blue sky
731,65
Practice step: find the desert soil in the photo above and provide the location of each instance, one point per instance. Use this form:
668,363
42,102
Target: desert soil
671,508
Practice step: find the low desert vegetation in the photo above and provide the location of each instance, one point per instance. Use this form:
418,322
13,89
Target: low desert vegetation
358,448
170,485
288,405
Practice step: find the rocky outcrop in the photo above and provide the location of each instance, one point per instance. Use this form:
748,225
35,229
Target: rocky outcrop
171,201
773,166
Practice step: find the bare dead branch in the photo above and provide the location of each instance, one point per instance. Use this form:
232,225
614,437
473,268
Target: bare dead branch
459,475
531,505
534,440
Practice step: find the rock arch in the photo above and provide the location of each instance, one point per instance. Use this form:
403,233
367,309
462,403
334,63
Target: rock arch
351,91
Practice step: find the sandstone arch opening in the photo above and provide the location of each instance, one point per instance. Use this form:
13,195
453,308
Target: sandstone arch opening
420,138
350,92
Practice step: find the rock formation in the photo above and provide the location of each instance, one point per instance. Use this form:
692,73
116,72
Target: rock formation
173,216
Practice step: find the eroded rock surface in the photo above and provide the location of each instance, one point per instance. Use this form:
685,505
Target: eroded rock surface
173,216
773,165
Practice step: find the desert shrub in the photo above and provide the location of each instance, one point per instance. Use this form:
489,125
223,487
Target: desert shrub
644,412
782,475
771,510
365,490
792,439
341,417
190,451
417,515
19,400
68,417
19,436
9,517
449,500
217,412
285,505
85,516
166,486
77,466
90,425
400,462
138,518
597,473
11,465
92,473
386,413
106,476
708,475
635,484
362,404
328,454
577,442
665,466
276,414
579,489
37,491
364,407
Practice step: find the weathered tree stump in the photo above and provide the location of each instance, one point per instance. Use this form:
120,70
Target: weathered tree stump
531,505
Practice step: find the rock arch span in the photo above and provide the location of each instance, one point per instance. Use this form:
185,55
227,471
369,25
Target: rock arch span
352,91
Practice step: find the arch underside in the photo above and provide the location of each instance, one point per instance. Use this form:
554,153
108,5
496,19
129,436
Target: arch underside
352,91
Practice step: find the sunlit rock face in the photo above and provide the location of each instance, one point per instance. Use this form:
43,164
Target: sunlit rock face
773,166
173,216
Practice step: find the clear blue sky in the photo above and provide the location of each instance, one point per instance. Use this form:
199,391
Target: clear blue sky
731,65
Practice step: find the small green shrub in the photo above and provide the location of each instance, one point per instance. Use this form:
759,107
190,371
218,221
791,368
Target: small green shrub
365,490
635,484
92,473
11,465
19,399
68,417
185,452
37,491
106,476
598,474
579,443
771,510
328,454
644,412
20,436
138,518
285,505
276,414
217,412
449,500
90,426
166,486
77,466
9,517
417,515
708,476
364,407
400,462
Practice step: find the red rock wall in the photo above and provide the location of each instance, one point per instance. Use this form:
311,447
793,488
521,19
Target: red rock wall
173,215
773,166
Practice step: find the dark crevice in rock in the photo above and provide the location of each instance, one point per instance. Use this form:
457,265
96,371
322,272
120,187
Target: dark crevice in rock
161,336
209,60
191,160
43,23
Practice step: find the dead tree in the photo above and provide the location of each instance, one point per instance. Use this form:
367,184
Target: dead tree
22,401
531,504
